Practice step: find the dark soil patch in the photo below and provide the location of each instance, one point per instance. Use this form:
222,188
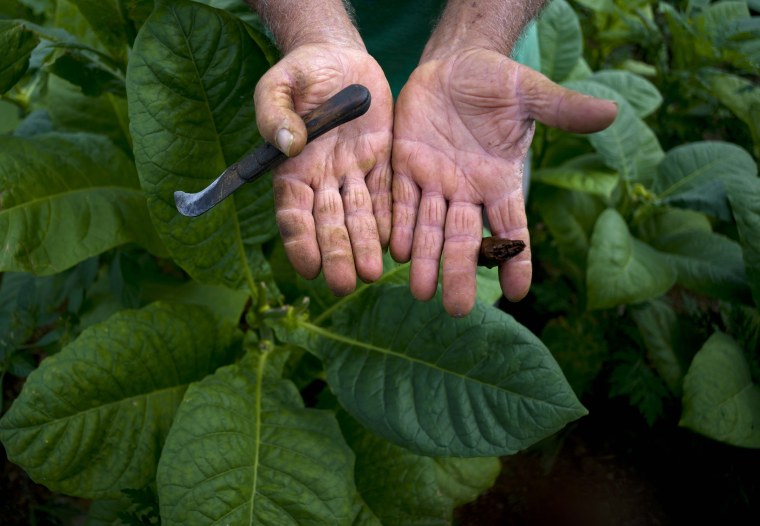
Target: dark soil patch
602,472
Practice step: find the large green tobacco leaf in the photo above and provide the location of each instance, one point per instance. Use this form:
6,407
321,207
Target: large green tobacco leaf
401,487
707,263
629,145
641,94
190,83
226,304
561,40
658,325
596,182
91,420
243,450
720,400
107,20
666,221
66,197
622,269
16,45
479,386
742,97
689,168
693,169
71,110
488,286
570,217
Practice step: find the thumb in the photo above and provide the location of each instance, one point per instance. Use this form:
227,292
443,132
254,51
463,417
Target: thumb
276,118
563,108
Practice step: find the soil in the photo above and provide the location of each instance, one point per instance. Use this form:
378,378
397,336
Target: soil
602,472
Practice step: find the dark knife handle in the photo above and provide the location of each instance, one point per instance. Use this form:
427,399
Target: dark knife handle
346,105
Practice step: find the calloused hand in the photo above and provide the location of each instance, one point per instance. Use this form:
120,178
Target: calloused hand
333,200
462,129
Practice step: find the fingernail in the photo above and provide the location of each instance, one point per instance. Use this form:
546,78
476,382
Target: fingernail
284,140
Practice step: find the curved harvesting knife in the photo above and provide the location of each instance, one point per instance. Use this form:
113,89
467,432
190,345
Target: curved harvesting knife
346,105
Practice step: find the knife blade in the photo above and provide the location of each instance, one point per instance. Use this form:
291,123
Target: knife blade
349,103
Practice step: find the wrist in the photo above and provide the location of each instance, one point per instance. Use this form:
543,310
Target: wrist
494,25
296,23
348,38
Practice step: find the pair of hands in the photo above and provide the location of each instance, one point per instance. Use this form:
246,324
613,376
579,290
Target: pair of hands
459,135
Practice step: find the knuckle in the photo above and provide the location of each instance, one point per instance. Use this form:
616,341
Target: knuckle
427,243
328,204
432,214
355,197
293,224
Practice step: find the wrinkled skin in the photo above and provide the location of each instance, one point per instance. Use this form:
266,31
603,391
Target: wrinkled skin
333,201
462,129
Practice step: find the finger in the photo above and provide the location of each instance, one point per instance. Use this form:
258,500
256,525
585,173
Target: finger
406,201
427,246
334,244
362,229
506,217
276,118
294,201
464,230
379,183
562,108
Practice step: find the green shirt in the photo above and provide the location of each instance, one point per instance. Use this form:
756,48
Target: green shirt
396,31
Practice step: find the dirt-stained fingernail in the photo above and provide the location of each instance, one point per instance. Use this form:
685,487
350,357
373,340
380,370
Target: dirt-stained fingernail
284,140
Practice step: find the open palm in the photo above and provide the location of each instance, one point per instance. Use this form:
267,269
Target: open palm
462,129
333,200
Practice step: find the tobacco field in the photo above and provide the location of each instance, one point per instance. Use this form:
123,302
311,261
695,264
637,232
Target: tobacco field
158,369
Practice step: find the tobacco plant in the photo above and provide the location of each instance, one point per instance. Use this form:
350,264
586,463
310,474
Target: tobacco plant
650,229
187,372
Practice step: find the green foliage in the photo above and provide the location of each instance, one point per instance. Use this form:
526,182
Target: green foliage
165,355
67,197
17,43
130,374
479,386
622,269
420,486
634,379
561,40
210,125
655,220
720,399
282,463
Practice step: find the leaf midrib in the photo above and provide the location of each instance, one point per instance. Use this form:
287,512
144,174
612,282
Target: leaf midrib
257,451
319,331
69,193
107,405
236,220
689,178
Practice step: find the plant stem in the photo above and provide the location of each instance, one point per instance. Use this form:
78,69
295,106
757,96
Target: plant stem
359,290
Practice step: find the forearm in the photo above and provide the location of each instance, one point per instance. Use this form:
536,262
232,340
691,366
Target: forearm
490,24
298,22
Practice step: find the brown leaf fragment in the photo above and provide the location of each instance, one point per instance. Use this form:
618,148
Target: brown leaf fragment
497,250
